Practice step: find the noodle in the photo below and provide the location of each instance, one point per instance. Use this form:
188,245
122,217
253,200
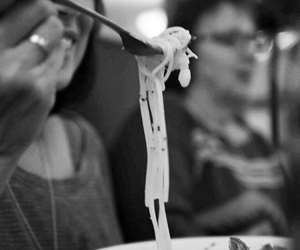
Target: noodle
153,72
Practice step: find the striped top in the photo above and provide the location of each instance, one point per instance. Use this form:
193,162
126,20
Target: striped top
84,204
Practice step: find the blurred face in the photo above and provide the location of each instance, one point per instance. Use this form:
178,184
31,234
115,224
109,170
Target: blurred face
77,28
226,60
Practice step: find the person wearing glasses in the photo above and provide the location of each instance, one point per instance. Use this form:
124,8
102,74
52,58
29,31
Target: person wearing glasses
55,188
224,177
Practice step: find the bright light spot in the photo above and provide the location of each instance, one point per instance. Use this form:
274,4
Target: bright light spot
152,22
287,39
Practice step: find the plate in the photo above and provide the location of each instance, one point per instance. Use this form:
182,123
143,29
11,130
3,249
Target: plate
207,243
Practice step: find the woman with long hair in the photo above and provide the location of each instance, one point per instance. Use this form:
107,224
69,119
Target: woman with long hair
55,183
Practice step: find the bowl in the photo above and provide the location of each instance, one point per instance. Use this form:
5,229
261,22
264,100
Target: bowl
208,243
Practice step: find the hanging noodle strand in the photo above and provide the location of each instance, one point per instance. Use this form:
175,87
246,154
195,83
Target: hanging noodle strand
153,72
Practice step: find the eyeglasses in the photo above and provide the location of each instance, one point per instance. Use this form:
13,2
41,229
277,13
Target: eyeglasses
259,42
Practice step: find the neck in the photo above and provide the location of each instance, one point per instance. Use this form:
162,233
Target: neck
204,105
49,155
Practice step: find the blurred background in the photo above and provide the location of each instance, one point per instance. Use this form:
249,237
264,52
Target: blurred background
116,91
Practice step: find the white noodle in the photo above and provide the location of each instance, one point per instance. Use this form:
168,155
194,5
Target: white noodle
153,72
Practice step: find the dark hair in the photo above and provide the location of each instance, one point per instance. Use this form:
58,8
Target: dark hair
186,13
280,14
270,15
84,77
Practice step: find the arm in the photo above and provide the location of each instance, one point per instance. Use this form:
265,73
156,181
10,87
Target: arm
180,208
128,159
27,76
206,198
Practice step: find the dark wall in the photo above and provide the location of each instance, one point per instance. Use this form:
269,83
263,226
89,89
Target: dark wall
115,93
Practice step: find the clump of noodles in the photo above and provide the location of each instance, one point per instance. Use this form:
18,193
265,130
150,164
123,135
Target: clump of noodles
153,72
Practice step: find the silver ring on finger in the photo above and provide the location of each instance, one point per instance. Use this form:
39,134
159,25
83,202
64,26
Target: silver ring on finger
40,42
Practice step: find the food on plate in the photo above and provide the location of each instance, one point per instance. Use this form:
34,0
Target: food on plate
237,244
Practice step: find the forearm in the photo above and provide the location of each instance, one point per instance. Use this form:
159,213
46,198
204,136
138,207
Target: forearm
245,210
